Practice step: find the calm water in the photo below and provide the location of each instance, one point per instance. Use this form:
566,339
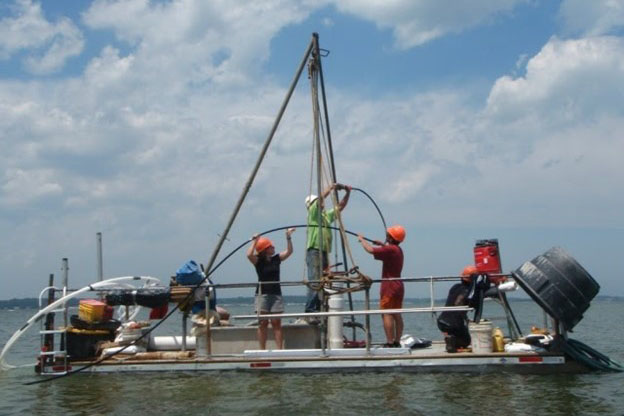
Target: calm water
368,393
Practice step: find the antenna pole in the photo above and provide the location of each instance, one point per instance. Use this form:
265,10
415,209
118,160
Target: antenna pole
100,267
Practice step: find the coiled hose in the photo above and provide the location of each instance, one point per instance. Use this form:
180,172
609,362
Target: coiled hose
589,357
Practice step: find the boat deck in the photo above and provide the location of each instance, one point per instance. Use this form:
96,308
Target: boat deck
431,359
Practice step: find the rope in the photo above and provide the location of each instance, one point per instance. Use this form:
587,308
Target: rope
333,282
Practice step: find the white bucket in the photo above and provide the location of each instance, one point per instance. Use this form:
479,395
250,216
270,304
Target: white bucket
481,335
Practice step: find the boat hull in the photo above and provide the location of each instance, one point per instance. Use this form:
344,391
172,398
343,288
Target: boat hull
419,362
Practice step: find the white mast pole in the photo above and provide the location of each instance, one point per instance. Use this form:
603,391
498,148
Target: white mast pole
100,267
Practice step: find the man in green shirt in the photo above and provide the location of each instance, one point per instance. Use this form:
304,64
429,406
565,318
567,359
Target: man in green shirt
313,251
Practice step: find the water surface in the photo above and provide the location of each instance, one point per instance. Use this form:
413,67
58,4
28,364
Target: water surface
327,393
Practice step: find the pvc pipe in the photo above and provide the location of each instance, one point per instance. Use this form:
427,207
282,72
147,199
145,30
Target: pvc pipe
36,317
358,312
170,343
100,264
334,323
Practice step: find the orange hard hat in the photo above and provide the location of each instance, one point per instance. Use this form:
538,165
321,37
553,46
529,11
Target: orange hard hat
469,270
262,244
396,232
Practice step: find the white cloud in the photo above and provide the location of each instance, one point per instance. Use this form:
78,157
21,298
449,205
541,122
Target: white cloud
545,150
207,43
328,22
417,22
554,134
48,44
408,184
153,142
592,18
22,187
568,80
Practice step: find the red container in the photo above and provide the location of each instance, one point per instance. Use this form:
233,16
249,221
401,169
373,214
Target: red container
93,310
108,313
487,256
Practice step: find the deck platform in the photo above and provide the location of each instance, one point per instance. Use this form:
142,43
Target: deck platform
431,359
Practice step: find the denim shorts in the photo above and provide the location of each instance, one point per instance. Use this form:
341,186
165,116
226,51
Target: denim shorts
269,304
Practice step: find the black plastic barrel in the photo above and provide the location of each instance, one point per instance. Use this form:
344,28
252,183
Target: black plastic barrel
559,284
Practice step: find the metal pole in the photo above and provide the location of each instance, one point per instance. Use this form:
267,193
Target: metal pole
184,318
556,328
100,266
252,176
367,319
333,170
208,332
49,322
431,291
65,269
503,297
317,143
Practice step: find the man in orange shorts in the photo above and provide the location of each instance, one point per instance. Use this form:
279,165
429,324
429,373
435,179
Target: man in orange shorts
391,291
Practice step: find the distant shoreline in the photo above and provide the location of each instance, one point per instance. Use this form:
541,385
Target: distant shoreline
33,303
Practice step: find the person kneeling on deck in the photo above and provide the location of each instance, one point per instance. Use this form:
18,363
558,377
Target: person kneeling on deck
392,291
453,324
269,292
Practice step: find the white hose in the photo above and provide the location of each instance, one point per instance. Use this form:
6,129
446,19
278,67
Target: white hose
60,302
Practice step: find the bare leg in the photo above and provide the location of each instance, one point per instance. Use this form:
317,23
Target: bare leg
398,327
277,332
388,324
262,333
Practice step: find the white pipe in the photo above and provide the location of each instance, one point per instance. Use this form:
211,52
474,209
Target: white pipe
170,343
334,322
509,286
65,269
60,302
100,264
361,312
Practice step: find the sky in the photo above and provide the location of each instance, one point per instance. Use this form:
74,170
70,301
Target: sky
463,120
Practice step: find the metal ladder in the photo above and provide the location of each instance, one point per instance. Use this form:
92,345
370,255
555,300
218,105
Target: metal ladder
53,361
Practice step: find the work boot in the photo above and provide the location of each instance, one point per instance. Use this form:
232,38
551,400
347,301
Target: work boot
451,343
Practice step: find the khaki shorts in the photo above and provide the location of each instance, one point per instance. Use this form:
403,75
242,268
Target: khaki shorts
269,304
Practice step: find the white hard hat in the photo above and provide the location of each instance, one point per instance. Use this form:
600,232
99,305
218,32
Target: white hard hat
309,199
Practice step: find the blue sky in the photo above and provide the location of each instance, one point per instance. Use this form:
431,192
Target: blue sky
464,120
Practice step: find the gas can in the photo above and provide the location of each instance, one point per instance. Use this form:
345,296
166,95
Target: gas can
487,256
498,341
